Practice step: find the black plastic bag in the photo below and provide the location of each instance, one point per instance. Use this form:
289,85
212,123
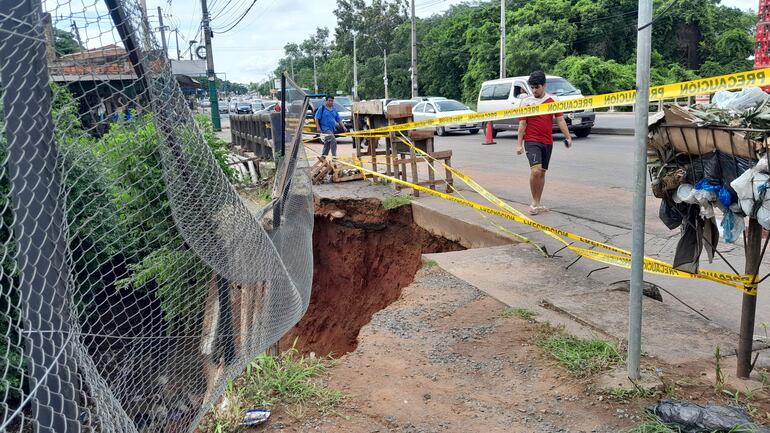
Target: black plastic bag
732,167
672,213
694,418
702,167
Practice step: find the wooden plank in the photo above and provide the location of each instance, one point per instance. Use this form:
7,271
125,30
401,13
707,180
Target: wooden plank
368,107
399,111
419,134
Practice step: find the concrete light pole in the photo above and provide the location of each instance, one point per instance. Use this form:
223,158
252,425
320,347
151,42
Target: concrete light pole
355,68
502,38
212,77
385,77
414,53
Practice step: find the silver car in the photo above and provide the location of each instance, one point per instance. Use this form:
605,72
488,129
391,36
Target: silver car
441,108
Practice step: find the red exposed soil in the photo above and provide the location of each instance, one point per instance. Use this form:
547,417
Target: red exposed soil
363,256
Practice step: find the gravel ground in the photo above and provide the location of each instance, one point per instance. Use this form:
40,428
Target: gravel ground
439,359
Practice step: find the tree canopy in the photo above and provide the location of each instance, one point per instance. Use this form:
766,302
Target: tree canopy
590,42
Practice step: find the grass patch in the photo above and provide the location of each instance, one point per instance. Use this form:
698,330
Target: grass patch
261,195
394,201
580,357
427,264
288,380
627,394
518,312
654,425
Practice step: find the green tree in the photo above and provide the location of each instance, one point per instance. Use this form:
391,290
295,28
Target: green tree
593,75
459,48
65,42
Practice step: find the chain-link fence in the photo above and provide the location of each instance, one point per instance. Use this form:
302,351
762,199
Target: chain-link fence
134,282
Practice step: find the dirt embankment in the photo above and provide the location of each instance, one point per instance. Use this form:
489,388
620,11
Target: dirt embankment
364,255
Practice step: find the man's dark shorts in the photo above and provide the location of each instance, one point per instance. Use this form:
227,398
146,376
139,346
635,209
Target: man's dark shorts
538,153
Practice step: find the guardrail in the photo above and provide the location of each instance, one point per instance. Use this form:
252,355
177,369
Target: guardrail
257,133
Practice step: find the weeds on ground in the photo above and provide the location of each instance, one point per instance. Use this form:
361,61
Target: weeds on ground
260,195
666,390
518,312
719,385
628,394
580,357
289,380
654,425
427,264
394,201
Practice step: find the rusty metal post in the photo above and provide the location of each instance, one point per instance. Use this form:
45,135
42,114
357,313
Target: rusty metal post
749,307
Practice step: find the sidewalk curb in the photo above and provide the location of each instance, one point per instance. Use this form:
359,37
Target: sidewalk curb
612,131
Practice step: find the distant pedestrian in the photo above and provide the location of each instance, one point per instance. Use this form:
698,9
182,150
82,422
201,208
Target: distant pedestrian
536,138
327,120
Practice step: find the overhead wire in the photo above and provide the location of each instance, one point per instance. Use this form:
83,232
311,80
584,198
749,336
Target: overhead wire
660,14
246,12
228,14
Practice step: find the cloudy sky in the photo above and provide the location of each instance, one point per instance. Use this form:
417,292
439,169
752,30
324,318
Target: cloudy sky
251,50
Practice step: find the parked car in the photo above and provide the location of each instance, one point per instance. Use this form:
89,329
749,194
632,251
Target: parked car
270,106
257,105
232,106
411,102
508,93
427,98
223,107
346,116
345,101
445,107
243,108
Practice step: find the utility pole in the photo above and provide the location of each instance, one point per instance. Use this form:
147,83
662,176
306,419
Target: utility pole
176,36
76,31
291,62
385,77
355,69
145,24
414,53
162,33
502,38
191,49
643,46
210,68
315,76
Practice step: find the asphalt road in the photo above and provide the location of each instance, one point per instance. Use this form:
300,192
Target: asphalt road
589,189
593,179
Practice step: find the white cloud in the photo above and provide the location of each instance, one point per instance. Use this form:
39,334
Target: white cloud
252,50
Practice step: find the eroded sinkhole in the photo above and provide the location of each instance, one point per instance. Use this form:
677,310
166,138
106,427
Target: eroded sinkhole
363,255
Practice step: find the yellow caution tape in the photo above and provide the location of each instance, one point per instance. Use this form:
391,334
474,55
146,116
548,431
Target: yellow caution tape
745,283
517,236
759,77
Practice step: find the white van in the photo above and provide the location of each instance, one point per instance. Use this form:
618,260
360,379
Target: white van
506,93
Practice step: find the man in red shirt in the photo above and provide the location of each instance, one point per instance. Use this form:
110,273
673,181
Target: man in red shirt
536,138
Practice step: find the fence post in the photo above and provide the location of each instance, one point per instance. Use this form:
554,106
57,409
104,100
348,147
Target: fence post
276,127
38,225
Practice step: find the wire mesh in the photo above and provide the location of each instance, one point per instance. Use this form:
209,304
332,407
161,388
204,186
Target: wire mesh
134,282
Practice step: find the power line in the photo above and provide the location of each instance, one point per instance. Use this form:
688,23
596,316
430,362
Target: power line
659,15
228,15
239,19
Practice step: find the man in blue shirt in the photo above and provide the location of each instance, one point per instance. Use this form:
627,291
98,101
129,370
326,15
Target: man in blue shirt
327,119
